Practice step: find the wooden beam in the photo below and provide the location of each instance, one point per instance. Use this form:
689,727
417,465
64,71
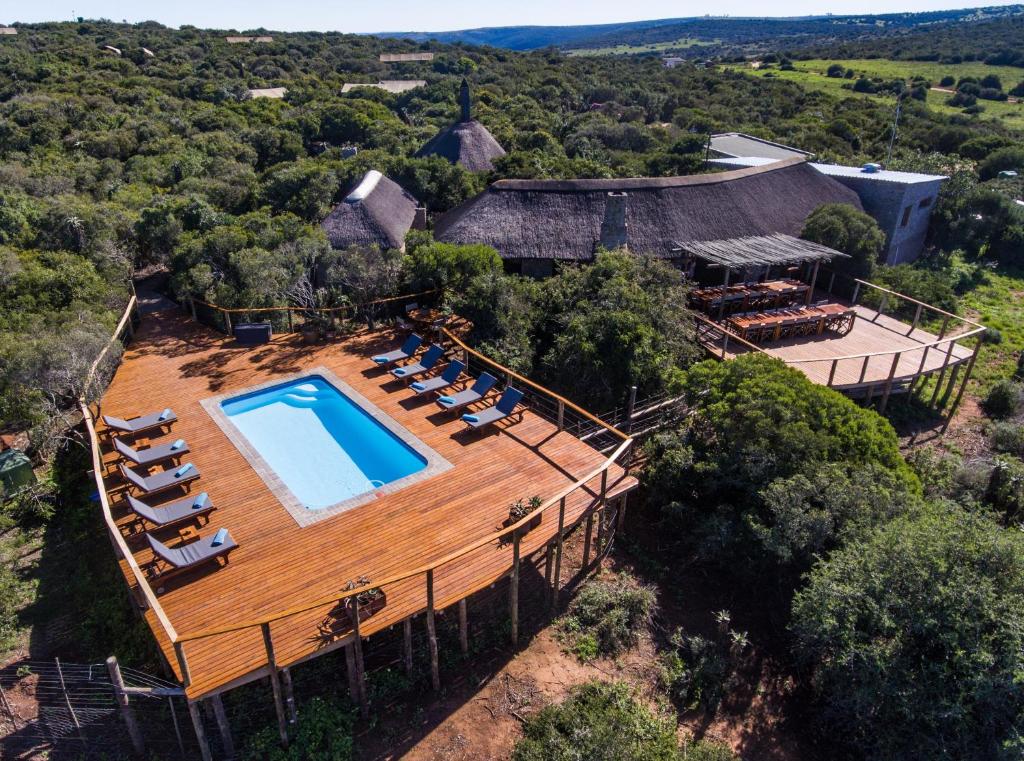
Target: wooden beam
942,373
513,589
407,644
587,531
435,673
357,651
963,385
127,714
888,383
350,673
275,684
622,512
558,553
197,725
463,627
289,694
814,280
223,728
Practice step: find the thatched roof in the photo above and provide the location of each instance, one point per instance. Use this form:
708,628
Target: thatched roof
391,85
376,212
570,219
467,142
268,92
759,251
398,57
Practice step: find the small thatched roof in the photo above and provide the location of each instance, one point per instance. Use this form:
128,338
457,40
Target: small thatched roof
376,212
759,251
268,92
570,219
8,30
467,142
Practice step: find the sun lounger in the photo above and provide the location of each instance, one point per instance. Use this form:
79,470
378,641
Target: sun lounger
478,391
166,479
141,424
439,382
412,343
154,454
504,408
169,560
430,358
173,512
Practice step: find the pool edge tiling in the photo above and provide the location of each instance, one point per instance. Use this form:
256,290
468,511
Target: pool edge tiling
304,516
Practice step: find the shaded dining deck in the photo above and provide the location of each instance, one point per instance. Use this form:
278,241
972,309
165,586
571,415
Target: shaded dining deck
280,565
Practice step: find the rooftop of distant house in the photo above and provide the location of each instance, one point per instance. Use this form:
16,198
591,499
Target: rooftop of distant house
390,85
268,92
868,171
732,144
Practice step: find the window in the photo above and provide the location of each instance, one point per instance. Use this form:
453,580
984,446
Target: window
925,202
906,216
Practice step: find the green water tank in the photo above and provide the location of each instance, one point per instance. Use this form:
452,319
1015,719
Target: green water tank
15,472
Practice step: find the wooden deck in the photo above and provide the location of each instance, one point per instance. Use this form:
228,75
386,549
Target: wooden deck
278,565
871,333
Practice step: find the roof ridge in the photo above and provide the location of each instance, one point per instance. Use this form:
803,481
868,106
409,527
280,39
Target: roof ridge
644,183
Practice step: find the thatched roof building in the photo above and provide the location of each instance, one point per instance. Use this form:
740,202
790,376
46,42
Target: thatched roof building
268,92
547,220
467,142
390,85
405,57
377,212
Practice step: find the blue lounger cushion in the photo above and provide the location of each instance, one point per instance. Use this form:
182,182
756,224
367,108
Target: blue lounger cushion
417,385
471,418
201,501
380,359
165,414
220,537
446,400
178,444
399,371
183,470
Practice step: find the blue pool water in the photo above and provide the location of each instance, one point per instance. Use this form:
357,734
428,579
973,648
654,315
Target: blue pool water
321,444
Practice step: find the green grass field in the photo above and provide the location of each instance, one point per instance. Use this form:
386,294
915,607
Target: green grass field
657,47
811,74
998,303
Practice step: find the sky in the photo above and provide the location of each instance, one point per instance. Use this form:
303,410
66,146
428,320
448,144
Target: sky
435,15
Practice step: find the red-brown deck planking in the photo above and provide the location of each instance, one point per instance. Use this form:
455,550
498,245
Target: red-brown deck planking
279,565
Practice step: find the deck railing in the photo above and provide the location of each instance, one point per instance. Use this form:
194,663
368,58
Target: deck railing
509,535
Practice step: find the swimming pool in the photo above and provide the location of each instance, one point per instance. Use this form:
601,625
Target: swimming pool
318,447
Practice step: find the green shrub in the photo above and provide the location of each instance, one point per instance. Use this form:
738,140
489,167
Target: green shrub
698,672
1004,399
924,285
1008,437
598,722
324,733
1005,491
844,228
607,616
706,750
914,639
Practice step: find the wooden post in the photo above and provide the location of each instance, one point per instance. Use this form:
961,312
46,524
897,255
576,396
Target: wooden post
832,372
291,327
350,672
869,395
864,369
942,373
924,358
856,292
549,559
407,644
725,343
561,415
357,648
888,383
289,695
138,745
192,309
814,281
227,321
177,728
588,529
917,319
621,522
945,326
725,285
951,385
881,307
513,589
222,726
963,386
275,684
197,725
630,407
602,516
831,282
435,674
179,653
558,553
463,627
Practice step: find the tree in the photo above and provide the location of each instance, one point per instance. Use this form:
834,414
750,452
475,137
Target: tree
1010,157
599,722
449,265
836,70
846,229
367,273
914,639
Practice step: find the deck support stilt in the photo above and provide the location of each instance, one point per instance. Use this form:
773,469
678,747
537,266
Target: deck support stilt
621,522
557,580
549,559
963,386
289,696
463,627
513,589
602,519
357,652
127,714
350,673
275,684
407,644
435,673
223,728
888,383
197,725
942,373
587,531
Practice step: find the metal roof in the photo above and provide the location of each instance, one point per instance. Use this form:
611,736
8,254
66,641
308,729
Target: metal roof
738,144
838,170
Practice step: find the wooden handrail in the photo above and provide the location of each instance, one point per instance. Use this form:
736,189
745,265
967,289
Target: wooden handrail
522,379
444,560
289,308
912,300
97,468
903,350
724,330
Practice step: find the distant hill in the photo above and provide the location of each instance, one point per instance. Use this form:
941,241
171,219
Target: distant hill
721,34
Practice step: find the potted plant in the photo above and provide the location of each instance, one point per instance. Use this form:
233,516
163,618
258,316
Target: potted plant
367,602
520,509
